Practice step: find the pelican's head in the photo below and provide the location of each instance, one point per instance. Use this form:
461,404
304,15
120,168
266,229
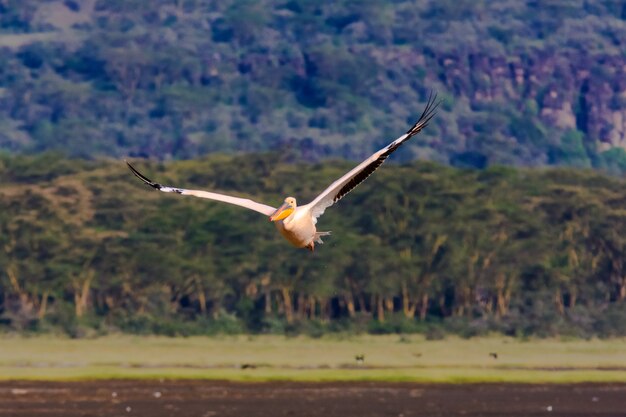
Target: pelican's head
285,210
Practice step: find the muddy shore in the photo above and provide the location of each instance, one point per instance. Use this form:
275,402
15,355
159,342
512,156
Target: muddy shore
213,398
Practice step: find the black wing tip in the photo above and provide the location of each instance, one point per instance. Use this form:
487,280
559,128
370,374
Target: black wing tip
432,104
142,177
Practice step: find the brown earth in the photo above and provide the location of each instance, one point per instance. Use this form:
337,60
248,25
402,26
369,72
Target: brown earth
211,398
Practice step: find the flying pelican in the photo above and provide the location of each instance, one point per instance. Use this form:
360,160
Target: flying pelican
297,223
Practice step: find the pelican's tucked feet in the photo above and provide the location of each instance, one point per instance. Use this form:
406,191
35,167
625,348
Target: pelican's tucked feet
318,236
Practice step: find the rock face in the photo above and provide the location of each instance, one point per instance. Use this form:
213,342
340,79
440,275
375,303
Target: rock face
568,92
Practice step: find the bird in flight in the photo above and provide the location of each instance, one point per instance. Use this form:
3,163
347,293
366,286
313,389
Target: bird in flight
298,223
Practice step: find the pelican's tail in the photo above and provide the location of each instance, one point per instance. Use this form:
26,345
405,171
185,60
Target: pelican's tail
318,236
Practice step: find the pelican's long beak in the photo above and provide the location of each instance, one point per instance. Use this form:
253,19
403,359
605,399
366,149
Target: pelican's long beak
281,212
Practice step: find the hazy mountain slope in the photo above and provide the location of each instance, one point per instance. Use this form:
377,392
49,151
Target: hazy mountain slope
527,83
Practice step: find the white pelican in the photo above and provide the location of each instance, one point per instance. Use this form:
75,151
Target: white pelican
297,223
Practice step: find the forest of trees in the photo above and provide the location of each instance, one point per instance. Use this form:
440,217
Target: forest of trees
528,83
87,249
253,97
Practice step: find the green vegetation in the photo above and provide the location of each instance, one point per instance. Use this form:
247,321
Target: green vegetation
387,358
86,249
529,83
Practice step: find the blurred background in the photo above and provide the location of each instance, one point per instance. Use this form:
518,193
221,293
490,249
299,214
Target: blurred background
469,234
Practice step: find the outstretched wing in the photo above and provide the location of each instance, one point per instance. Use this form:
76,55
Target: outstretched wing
349,181
243,202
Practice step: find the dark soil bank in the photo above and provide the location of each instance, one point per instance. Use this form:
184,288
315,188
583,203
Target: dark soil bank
210,398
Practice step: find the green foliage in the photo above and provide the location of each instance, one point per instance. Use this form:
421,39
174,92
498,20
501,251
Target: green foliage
613,161
86,249
571,152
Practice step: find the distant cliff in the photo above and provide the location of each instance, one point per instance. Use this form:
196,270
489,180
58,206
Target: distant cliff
527,83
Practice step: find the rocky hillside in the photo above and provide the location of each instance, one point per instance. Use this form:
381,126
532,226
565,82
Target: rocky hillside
530,83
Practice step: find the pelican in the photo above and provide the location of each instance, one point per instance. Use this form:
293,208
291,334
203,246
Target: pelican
298,223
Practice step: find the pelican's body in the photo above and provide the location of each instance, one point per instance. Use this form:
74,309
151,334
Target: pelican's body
299,228
296,223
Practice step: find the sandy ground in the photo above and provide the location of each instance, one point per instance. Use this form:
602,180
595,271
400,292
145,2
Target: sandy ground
210,398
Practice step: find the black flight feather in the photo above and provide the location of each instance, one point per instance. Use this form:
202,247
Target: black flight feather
428,113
